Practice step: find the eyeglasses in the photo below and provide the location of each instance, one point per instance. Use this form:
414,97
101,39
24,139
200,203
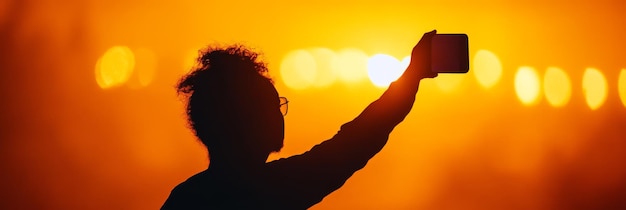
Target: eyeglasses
284,105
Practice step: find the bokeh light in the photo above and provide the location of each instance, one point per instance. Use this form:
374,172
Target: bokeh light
594,88
487,68
325,74
114,67
298,69
527,85
145,68
622,86
351,65
383,69
557,86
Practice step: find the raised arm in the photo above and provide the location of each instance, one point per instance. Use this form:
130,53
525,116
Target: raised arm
369,132
396,102
363,137
309,177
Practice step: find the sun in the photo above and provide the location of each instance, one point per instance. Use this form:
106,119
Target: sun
383,69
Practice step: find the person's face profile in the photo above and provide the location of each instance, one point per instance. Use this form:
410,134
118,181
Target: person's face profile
271,119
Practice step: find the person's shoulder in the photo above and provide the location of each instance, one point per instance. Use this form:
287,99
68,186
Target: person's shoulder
189,192
196,183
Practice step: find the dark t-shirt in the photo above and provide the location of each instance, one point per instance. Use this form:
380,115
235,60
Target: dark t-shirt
297,182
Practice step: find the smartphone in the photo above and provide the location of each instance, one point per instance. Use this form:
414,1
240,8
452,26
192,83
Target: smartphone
449,53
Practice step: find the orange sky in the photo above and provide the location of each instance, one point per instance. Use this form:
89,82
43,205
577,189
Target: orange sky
67,143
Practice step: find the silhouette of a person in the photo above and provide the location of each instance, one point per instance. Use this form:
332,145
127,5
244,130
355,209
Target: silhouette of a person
235,111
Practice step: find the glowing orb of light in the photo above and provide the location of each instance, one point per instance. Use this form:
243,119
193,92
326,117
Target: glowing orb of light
114,67
527,85
556,87
298,69
487,68
594,88
350,65
383,69
325,74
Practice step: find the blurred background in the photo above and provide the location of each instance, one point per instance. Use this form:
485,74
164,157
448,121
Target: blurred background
90,118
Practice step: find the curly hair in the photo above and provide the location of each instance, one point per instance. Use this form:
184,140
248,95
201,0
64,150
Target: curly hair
215,61
221,87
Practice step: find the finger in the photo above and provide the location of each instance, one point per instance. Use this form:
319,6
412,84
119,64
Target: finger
425,40
432,33
429,35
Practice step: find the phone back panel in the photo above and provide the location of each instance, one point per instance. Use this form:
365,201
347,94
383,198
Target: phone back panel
449,53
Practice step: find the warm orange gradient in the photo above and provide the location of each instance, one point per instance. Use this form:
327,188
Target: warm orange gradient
82,128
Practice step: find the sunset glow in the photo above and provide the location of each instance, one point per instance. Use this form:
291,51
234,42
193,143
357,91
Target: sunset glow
92,118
